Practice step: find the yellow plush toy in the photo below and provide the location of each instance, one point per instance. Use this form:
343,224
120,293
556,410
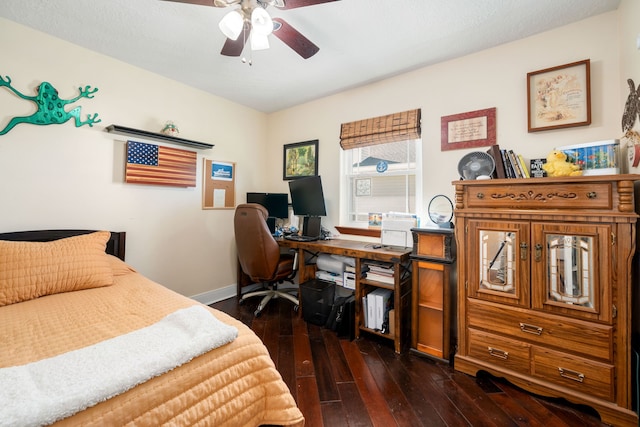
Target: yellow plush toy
557,165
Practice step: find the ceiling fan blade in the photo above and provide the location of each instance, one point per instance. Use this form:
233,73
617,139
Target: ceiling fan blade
292,4
294,39
235,47
215,3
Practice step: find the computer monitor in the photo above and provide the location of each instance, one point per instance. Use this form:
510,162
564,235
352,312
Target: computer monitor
259,198
277,204
307,199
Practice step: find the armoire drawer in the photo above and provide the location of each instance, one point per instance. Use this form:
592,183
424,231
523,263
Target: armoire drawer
592,195
577,336
500,351
586,376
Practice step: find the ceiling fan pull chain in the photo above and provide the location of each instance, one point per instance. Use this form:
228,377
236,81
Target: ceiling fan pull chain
244,37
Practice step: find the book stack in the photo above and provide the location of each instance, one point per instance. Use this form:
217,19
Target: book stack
376,306
380,272
508,163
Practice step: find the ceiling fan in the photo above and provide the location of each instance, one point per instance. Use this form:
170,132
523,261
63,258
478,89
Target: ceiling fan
251,22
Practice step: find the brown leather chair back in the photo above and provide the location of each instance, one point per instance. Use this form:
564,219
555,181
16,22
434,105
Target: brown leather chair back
258,251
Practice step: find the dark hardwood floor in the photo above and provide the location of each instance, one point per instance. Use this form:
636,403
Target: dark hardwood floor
338,382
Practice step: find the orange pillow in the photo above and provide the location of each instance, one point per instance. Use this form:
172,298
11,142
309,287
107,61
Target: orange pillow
30,270
119,267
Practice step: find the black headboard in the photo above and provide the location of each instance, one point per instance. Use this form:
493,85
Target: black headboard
115,245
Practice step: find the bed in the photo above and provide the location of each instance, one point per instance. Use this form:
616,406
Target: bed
67,307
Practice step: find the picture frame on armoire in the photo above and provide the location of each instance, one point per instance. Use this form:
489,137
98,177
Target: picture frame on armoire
559,97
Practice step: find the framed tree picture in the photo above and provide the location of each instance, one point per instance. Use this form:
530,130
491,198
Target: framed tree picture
300,159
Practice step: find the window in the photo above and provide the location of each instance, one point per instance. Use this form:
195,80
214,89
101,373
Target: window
381,178
381,169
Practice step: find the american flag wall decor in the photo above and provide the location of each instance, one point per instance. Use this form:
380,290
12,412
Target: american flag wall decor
159,165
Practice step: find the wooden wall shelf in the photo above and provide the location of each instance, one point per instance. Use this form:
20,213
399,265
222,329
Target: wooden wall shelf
369,232
122,130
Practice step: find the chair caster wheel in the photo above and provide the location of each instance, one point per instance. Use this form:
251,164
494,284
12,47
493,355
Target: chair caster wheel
257,313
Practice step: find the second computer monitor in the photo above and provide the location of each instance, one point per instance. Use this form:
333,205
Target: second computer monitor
277,204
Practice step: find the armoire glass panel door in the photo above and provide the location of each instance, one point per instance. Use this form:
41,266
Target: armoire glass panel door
500,270
570,261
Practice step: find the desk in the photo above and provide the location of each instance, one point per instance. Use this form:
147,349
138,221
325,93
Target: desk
363,251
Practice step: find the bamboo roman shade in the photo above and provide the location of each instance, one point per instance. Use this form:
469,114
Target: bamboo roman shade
380,130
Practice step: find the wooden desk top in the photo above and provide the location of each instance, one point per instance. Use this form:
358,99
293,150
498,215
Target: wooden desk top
351,248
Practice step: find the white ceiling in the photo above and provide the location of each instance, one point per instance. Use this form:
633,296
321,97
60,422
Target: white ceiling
360,41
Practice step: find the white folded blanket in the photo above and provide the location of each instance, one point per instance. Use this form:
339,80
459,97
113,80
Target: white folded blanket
49,390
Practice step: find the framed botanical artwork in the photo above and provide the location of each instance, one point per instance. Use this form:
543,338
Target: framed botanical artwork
559,97
467,130
300,159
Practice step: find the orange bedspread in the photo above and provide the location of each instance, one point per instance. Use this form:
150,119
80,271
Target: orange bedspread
233,385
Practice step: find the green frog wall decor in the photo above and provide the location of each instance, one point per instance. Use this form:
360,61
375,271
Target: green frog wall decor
50,106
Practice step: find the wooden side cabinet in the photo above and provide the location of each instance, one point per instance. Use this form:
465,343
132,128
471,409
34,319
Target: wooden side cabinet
433,326
545,286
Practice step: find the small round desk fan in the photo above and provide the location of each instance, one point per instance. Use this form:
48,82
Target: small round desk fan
476,165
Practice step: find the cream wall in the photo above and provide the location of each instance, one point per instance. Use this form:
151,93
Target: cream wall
492,78
629,30
65,177
60,176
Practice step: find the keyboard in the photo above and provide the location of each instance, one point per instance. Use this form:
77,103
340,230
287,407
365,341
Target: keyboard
298,238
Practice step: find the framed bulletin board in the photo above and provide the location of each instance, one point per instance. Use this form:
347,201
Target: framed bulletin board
218,185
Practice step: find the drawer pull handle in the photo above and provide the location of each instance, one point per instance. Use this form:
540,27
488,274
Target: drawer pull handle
500,354
530,329
480,196
571,375
592,195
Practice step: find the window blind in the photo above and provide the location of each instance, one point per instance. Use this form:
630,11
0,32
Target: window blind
380,130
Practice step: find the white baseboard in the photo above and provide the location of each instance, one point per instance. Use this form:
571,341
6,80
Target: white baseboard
216,295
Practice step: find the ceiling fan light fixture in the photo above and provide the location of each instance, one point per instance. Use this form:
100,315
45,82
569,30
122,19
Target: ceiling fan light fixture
231,24
261,22
259,41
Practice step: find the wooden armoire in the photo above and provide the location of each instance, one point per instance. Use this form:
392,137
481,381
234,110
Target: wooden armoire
545,286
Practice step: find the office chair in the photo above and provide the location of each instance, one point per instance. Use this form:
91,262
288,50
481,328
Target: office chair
259,256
